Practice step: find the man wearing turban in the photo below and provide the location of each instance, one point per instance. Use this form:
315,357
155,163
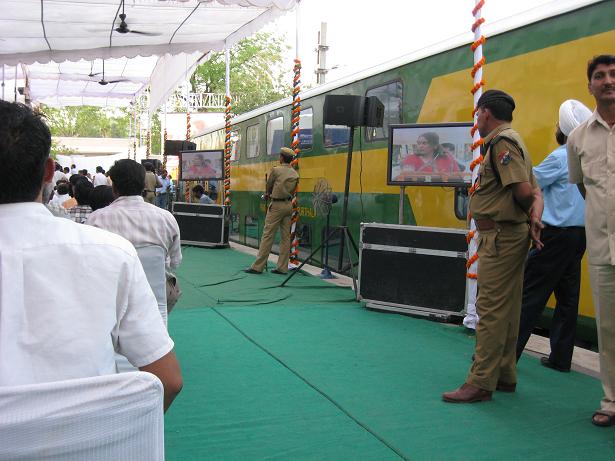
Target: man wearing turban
557,267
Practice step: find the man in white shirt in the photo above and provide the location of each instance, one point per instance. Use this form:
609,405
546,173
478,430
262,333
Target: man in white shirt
591,166
99,178
52,328
133,218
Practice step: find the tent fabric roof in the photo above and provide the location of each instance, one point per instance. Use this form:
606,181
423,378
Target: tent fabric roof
45,34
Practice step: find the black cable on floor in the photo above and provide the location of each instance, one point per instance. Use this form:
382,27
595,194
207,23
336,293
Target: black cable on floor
313,386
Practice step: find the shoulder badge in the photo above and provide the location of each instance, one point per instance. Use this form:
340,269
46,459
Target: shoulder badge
504,157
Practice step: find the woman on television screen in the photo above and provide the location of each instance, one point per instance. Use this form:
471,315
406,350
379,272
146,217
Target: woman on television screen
429,158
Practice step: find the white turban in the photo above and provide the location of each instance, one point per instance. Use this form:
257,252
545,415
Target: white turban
571,114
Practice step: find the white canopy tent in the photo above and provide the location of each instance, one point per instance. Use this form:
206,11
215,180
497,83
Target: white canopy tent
56,48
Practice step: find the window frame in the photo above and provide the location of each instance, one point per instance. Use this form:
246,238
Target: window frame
386,131
311,145
270,120
256,126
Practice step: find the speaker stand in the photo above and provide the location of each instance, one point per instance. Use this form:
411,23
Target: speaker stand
345,236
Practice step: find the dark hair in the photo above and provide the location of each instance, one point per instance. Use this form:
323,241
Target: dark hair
85,172
25,141
99,169
73,166
448,145
198,189
66,169
148,166
500,109
596,61
128,177
63,188
81,192
560,137
58,167
286,157
101,196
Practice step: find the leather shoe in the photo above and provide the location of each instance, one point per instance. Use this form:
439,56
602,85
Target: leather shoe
467,393
275,271
547,363
249,270
505,387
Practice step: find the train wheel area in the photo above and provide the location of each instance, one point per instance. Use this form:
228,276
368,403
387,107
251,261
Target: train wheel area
305,372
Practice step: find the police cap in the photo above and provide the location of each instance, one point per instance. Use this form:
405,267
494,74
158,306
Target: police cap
287,153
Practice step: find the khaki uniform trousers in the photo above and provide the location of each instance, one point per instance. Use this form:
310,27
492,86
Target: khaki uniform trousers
150,197
602,280
278,215
501,259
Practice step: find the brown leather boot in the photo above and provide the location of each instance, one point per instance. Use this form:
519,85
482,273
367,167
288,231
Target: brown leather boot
467,393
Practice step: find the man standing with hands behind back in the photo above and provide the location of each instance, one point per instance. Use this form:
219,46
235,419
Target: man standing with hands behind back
506,200
591,166
281,186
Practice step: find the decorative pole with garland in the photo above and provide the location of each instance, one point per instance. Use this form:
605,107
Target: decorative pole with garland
295,144
471,318
227,131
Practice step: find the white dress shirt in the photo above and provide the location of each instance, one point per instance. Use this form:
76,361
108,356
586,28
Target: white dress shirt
591,162
100,180
141,223
61,316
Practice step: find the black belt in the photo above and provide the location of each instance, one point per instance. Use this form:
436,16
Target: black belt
281,199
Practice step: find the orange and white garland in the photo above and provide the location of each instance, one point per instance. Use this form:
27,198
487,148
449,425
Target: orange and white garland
295,146
227,151
477,90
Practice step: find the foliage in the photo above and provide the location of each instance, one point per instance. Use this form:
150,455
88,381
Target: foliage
256,74
156,136
87,122
60,149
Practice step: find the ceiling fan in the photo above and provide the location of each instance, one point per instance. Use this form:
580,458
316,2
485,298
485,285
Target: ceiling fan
123,27
103,82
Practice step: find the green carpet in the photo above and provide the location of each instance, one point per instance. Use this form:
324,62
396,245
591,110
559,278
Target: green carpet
304,373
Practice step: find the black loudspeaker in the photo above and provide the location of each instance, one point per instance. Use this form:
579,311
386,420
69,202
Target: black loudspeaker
374,112
175,147
344,109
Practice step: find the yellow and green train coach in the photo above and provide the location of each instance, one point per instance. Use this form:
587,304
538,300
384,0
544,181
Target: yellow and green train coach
540,61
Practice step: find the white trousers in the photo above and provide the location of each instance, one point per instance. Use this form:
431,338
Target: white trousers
603,290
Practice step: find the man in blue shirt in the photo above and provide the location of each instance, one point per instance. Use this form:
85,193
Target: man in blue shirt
163,192
557,267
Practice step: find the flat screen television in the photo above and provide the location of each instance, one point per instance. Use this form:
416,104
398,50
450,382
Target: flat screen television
435,154
197,165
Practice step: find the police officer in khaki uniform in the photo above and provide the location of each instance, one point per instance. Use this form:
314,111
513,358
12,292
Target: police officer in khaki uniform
507,208
281,186
151,183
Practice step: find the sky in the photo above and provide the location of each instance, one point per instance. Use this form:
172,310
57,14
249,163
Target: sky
364,33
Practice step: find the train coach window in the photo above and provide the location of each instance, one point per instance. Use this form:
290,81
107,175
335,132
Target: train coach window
391,96
461,202
336,135
305,128
252,141
275,135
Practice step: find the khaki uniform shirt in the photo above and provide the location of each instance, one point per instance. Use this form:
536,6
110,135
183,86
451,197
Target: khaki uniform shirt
282,182
493,199
591,161
151,182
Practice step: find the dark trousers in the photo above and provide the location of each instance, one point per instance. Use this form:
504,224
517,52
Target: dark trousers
554,269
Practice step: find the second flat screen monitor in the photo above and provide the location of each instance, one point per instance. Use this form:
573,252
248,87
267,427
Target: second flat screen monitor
199,165
430,154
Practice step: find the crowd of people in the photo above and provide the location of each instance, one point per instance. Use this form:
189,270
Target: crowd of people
554,206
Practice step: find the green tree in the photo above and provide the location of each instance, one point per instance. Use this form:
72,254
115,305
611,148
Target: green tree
256,72
87,122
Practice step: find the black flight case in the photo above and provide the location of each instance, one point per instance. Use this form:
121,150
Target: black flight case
201,224
414,270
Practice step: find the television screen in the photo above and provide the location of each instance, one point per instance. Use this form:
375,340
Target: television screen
196,165
430,154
